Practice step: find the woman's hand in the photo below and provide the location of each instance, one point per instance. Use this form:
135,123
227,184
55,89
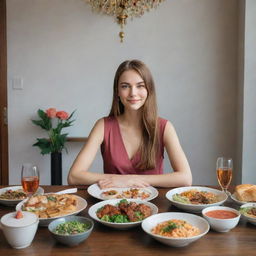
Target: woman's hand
122,181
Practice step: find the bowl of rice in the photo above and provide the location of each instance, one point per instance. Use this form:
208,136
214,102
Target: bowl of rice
175,229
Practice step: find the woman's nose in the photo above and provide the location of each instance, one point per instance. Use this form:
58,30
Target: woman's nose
132,91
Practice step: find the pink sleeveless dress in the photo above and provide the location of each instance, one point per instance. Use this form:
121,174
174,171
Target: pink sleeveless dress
115,157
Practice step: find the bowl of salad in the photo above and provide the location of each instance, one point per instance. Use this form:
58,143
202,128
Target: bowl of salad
71,230
195,198
248,212
122,213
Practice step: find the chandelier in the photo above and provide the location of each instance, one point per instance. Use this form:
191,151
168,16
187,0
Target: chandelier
123,9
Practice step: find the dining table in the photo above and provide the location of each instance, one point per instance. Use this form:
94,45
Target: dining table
109,241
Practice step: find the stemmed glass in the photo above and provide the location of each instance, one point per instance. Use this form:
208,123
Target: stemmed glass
224,167
29,178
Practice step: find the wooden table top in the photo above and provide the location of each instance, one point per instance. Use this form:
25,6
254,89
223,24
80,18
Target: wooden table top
107,241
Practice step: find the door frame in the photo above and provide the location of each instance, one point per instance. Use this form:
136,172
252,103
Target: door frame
4,165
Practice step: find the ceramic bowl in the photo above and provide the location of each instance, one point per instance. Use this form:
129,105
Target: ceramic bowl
221,225
197,221
44,222
75,239
197,208
13,202
93,210
248,217
19,233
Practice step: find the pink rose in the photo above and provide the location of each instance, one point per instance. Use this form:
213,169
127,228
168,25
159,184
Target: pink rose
62,115
51,112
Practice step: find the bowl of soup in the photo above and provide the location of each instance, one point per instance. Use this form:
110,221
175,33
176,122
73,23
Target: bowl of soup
221,218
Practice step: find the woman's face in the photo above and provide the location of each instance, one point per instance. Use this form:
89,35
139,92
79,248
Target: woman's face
132,90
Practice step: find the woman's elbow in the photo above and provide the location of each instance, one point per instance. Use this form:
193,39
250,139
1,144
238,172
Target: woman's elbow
71,180
187,180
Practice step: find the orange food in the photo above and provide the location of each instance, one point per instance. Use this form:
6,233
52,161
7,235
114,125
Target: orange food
19,215
221,214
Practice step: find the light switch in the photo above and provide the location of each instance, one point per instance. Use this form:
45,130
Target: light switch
17,83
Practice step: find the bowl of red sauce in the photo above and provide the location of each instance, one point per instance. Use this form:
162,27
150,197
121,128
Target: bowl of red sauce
221,218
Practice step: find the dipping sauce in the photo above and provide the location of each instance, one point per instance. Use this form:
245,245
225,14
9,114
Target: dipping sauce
221,214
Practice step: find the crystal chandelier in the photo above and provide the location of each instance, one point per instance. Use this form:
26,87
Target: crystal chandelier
123,9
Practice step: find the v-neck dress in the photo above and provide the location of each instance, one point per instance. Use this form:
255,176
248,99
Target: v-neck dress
114,154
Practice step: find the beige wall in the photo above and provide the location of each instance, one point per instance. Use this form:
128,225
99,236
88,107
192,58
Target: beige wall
67,56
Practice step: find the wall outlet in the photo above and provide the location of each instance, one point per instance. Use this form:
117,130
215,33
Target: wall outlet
17,83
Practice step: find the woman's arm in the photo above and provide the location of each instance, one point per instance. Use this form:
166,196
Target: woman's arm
181,175
78,173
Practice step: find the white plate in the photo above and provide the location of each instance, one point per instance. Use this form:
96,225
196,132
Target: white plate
149,223
195,207
249,219
81,205
10,202
93,209
233,197
95,191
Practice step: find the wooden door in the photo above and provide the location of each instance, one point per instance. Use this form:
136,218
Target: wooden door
3,97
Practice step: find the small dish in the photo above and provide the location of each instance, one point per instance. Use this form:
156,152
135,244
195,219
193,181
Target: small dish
247,217
220,224
13,202
196,221
73,239
195,207
93,210
95,191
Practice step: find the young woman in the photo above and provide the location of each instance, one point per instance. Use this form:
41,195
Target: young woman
132,138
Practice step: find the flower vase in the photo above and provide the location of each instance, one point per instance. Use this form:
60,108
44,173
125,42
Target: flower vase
56,168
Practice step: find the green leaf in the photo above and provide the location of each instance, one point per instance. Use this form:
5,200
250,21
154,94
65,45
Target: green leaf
71,115
44,145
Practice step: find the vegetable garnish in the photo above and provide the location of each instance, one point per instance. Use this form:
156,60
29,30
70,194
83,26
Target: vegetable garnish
71,228
170,227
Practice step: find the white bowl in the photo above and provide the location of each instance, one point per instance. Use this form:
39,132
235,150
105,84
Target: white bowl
93,210
195,207
248,218
149,223
19,232
234,198
221,225
13,202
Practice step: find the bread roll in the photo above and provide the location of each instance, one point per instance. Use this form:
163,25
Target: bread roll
246,192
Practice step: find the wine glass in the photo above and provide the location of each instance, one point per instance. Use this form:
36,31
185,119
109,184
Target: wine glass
224,167
29,178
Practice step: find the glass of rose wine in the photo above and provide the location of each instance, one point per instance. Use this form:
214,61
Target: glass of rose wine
224,167
29,178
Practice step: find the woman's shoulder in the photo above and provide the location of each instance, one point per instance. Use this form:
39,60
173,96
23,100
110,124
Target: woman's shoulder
165,125
164,122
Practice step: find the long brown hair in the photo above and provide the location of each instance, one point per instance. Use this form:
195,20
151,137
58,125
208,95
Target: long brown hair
150,140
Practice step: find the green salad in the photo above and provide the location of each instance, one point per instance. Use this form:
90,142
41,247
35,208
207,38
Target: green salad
71,228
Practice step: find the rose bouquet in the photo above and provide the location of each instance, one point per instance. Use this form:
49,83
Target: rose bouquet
53,122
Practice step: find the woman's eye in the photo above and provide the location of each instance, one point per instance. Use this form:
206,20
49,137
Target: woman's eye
140,85
123,86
